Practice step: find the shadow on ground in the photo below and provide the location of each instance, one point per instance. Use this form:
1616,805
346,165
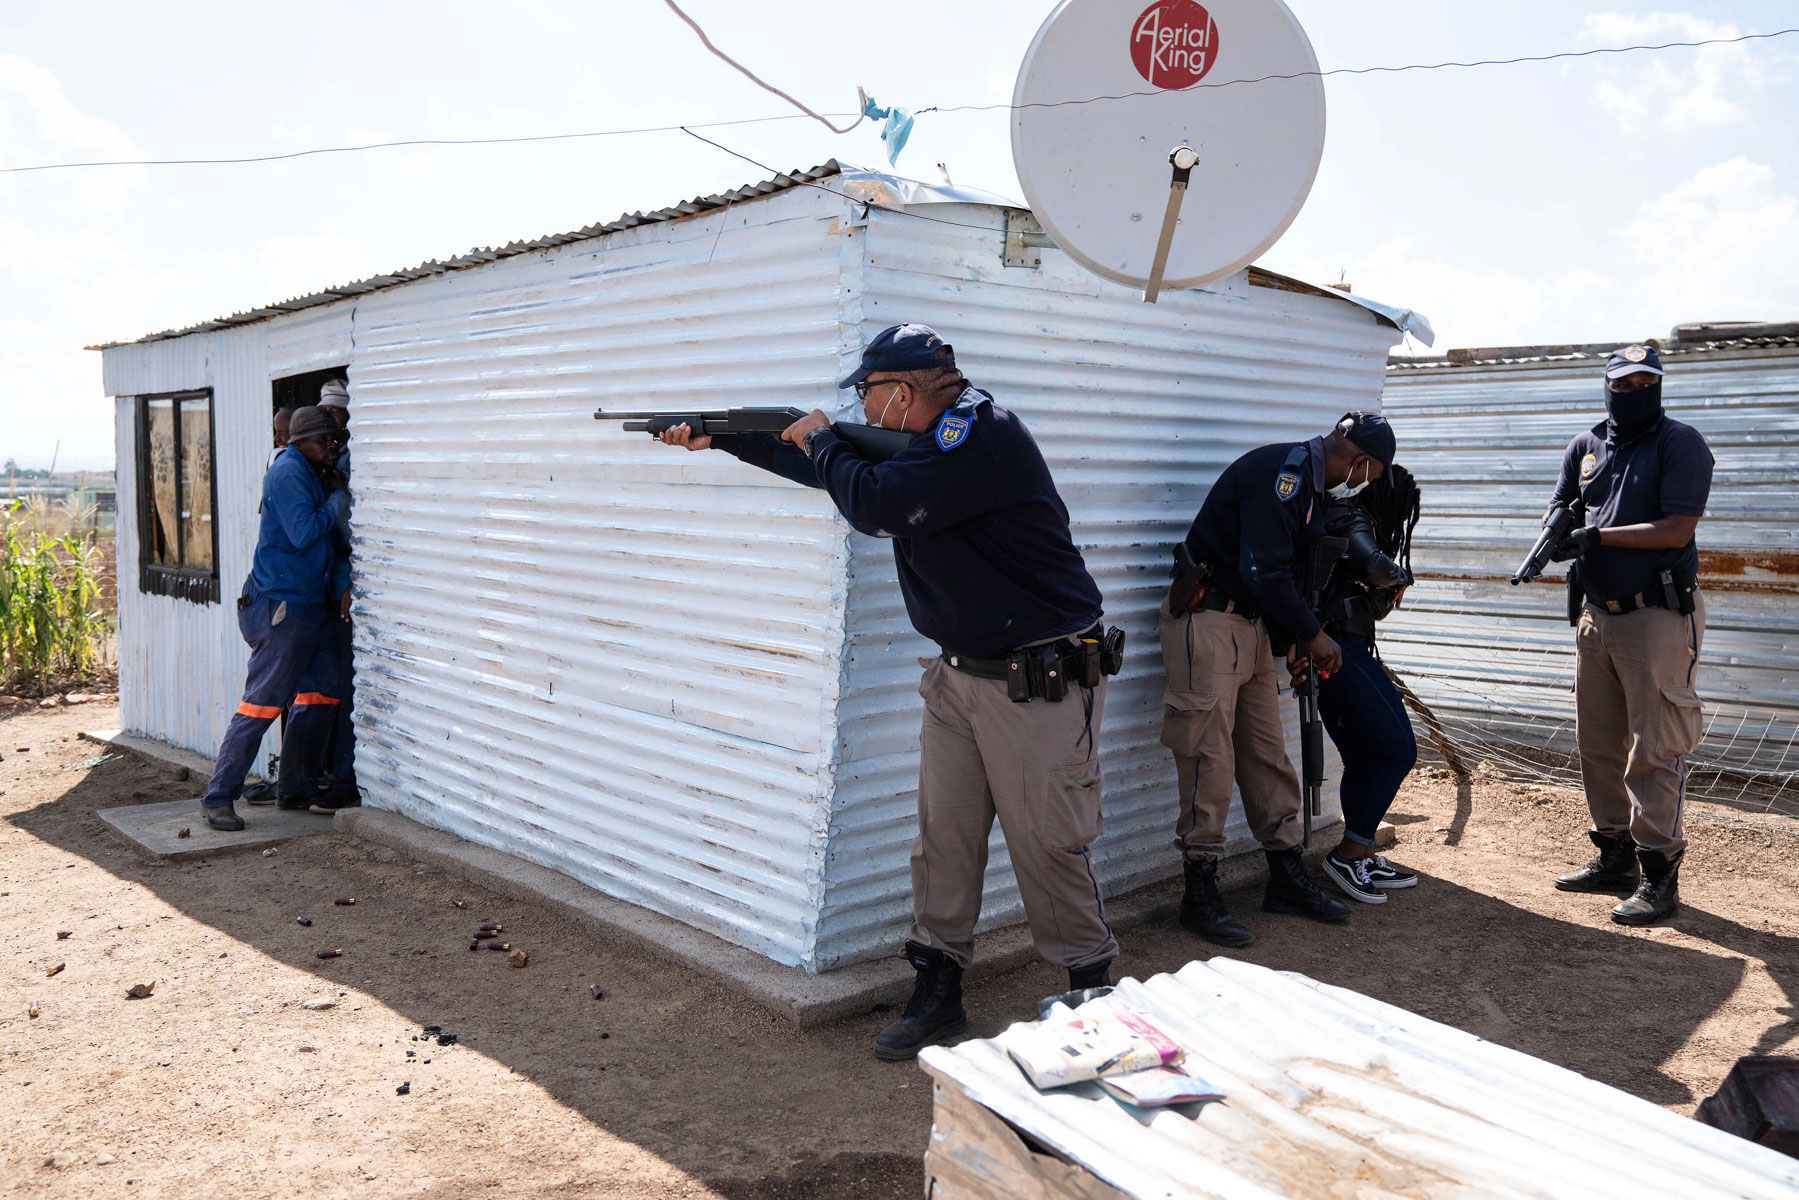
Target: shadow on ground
758,1109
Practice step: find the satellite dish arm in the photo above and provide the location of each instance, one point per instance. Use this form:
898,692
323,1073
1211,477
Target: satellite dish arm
1183,160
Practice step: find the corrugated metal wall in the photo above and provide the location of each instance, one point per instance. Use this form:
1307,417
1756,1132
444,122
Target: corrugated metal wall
1137,408
1486,441
181,664
609,657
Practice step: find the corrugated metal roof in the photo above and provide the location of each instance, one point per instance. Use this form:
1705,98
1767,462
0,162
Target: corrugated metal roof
1329,1093
1703,338
482,255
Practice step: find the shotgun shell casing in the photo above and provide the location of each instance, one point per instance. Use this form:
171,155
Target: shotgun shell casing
344,900
499,945
302,920
33,1009
459,902
57,969
475,945
329,954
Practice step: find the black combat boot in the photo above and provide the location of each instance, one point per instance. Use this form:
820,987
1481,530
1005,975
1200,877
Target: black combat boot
1657,895
1613,870
1202,908
1292,891
1093,975
224,818
933,1014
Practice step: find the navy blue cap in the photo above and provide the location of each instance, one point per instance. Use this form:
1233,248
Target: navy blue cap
1371,433
901,348
1628,360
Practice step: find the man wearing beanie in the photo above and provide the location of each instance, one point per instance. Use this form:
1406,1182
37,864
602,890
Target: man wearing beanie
296,579
1638,483
1235,597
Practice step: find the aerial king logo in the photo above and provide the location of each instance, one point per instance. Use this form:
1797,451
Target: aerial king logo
1174,43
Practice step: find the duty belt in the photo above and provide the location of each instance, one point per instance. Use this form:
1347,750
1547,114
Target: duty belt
1217,601
1670,591
1046,672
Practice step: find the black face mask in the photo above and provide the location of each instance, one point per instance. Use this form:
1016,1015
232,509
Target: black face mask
1628,414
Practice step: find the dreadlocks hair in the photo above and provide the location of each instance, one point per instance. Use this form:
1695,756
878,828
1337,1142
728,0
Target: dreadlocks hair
1392,506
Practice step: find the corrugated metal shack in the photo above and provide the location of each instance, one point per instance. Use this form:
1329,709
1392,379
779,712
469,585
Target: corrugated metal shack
1484,430
677,679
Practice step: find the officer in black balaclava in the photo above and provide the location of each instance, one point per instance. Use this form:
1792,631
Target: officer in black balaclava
1639,481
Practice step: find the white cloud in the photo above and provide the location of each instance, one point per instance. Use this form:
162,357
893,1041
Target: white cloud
1469,305
39,124
1726,233
1674,92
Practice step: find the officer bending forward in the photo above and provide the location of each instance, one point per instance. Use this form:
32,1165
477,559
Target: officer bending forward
1237,590
989,572
1641,478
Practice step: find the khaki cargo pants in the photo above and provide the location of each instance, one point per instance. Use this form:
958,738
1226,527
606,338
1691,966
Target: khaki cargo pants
1222,718
1033,766
1637,718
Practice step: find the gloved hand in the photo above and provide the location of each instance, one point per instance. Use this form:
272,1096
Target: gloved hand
1576,544
1383,572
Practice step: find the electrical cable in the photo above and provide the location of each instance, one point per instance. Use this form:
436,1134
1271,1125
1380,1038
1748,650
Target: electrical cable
1485,62
757,80
806,113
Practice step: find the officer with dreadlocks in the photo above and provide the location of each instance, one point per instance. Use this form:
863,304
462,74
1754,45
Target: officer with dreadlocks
1235,597
1360,704
1640,480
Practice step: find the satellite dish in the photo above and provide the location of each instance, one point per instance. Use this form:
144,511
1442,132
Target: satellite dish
1181,181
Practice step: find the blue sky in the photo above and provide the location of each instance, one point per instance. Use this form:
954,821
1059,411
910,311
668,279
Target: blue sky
1575,201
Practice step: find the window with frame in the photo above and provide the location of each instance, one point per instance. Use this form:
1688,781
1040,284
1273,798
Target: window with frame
178,540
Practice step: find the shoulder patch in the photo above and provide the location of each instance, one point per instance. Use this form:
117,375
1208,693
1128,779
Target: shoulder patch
952,431
1588,465
1286,485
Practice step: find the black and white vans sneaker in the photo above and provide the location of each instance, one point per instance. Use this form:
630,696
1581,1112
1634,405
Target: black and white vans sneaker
1387,877
1352,877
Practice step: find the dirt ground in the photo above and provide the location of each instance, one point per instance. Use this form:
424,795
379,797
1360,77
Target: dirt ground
222,1082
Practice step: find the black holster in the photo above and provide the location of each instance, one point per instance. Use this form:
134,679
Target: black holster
1577,595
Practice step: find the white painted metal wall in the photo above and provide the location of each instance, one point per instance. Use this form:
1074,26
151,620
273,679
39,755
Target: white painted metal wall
181,664
1137,408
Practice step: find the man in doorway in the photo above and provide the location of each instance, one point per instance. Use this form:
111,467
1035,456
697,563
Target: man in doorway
295,581
339,765
990,572
283,419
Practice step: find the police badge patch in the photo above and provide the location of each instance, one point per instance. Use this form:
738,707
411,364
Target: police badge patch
1286,485
1588,465
1636,353
951,432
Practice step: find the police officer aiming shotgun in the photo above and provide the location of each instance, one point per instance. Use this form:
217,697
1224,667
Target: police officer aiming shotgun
1239,592
1637,482
989,572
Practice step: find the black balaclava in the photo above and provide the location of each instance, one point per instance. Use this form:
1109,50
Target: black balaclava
1632,414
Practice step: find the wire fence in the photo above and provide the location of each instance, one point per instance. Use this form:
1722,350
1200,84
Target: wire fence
1513,710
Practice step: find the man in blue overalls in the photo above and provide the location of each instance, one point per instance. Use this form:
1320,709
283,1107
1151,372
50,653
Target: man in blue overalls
297,576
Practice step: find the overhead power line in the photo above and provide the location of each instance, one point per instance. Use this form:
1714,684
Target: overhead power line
756,79
808,114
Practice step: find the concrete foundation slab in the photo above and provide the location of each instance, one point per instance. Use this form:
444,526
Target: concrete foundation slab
198,764
788,991
157,827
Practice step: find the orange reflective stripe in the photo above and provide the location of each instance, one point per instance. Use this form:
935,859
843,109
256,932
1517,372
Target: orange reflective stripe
258,710
314,698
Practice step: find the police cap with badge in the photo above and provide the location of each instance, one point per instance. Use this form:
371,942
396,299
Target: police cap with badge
912,347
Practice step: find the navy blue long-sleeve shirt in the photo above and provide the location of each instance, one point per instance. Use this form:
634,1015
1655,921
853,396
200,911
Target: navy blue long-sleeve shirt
980,535
1250,528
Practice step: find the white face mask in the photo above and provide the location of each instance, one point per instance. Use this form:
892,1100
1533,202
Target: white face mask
1344,491
881,421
